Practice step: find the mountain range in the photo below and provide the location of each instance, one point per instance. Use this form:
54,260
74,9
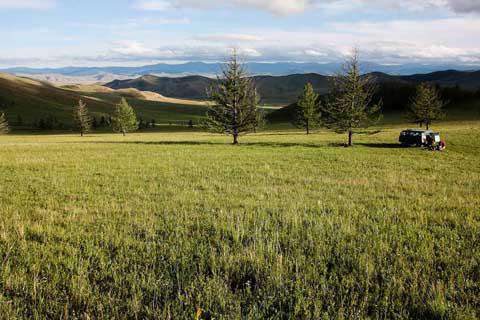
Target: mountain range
103,74
286,89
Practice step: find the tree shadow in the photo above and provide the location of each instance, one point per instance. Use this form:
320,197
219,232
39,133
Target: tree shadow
207,143
382,145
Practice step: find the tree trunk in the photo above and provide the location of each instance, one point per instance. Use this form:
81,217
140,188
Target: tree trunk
428,125
308,128
235,138
81,133
350,135
235,134
123,132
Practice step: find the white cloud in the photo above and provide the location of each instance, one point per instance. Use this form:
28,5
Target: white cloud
397,42
465,5
249,52
153,5
278,7
27,4
286,7
314,53
229,38
132,48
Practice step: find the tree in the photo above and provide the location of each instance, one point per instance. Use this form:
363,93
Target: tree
261,120
426,105
19,120
94,123
124,119
233,108
308,114
82,118
3,124
350,105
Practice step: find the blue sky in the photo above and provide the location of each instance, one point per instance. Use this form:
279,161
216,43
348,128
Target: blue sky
120,32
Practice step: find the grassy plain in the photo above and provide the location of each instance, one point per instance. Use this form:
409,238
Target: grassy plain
158,225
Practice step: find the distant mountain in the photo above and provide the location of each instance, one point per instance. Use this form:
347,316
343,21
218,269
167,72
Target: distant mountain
448,78
83,74
271,89
286,89
190,87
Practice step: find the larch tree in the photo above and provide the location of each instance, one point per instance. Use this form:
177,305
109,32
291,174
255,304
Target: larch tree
82,118
351,105
124,119
426,105
234,99
308,113
4,128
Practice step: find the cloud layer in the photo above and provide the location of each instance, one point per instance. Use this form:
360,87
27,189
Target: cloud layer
280,7
428,31
27,4
286,7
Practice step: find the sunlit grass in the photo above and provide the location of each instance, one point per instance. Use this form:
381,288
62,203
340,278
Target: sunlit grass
158,225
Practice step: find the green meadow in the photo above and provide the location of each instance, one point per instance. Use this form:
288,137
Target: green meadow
284,226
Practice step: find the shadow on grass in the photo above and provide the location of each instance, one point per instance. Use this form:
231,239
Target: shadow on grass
207,143
247,144
381,145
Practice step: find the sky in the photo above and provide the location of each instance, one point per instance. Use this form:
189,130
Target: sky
54,33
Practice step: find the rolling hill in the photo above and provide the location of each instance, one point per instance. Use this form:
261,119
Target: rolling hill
33,100
278,90
172,100
191,87
448,78
286,89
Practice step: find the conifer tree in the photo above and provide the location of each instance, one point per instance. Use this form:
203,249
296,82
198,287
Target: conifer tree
350,105
308,114
124,119
82,118
426,106
233,109
3,124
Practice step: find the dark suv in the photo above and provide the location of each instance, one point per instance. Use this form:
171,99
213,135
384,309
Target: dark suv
414,137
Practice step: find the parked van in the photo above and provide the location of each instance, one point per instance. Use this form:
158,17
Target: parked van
415,137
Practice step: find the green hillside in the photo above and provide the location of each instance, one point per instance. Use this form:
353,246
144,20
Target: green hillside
272,90
286,89
34,100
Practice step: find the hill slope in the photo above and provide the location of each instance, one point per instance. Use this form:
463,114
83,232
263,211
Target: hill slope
271,89
191,87
34,100
286,89
448,78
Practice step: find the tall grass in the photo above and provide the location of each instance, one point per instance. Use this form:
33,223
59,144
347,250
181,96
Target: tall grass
284,226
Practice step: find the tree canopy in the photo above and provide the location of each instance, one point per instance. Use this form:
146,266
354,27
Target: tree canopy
308,113
124,119
4,128
82,118
351,103
426,105
233,108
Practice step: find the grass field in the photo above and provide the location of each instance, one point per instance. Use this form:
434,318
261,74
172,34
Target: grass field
158,225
